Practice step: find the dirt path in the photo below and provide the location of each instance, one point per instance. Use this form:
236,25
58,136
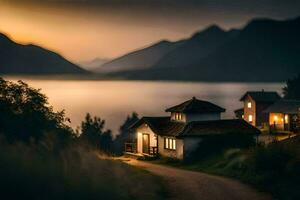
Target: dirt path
189,185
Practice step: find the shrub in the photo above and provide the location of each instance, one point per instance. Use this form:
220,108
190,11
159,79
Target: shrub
25,114
216,144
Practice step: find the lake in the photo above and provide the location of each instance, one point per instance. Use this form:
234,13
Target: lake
114,100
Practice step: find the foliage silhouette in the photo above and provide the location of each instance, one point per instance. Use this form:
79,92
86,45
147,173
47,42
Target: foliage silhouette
93,135
292,88
26,115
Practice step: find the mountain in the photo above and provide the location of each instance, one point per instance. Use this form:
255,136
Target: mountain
30,59
266,50
263,50
197,47
93,65
140,59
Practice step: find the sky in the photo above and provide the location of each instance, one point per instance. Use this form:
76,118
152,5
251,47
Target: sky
82,30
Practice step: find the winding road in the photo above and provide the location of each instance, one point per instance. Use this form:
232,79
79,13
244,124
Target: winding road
190,185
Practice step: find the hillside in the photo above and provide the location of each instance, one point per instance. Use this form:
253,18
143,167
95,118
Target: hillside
30,59
263,50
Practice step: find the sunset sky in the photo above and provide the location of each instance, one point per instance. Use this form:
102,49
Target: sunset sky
85,29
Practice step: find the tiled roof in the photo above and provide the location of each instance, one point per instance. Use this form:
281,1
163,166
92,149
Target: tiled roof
163,126
196,106
262,96
219,127
284,106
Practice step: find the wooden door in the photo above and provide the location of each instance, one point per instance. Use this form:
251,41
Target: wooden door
146,143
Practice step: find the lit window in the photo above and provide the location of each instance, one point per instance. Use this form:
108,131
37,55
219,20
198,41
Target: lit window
249,104
286,119
166,143
170,143
250,118
178,116
275,118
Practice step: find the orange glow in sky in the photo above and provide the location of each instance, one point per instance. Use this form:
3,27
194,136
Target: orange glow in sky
77,37
84,31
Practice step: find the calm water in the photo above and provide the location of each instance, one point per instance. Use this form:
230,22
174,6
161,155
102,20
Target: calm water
114,100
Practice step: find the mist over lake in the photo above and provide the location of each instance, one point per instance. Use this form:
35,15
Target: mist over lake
114,100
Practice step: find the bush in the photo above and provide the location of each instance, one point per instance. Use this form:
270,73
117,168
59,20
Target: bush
213,145
277,168
25,114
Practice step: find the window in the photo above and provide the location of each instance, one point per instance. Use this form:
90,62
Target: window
178,116
275,118
170,143
250,118
286,119
249,104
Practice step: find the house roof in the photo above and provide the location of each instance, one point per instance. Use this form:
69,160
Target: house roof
163,126
202,128
284,106
262,96
196,106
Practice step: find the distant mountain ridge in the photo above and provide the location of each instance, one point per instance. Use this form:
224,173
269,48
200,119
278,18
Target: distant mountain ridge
203,43
94,64
264,50
30,59
140,59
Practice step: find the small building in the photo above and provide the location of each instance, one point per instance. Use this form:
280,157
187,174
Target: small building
283,115
255,102
180,133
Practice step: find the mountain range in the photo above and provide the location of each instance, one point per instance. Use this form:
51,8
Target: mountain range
140,59
31,59
263,50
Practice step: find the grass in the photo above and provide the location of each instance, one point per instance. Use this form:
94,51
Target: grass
273,169
28,173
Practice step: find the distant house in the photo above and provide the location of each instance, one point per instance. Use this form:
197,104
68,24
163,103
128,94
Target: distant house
180,133
255,102
270,113
283,115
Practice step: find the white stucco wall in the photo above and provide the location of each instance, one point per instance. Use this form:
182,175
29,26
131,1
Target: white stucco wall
144,128
202,117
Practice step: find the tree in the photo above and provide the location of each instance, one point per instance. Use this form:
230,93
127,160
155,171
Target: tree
92,133
25,114
292,88
124,133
